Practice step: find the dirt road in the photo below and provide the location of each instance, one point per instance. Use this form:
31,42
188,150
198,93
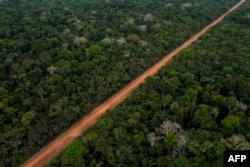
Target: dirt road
55,147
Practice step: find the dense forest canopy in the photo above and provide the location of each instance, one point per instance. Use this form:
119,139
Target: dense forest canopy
59,59
193,110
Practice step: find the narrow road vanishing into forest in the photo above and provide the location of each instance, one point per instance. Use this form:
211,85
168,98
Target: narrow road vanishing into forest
56,146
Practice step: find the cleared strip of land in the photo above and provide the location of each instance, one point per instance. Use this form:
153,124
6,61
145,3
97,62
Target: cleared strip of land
56,146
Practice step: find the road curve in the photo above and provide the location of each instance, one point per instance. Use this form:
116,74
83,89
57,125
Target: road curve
50,151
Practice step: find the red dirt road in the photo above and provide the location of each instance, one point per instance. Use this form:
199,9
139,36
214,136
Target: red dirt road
55,147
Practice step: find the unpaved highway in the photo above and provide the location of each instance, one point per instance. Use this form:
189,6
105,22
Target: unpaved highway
56,146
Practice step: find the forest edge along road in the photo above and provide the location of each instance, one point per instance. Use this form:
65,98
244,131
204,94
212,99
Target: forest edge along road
50,151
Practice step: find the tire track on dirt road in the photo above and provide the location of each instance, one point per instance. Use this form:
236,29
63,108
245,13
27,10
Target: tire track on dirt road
50,151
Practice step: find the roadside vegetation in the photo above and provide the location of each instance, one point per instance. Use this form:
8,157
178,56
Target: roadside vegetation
59,59
188,114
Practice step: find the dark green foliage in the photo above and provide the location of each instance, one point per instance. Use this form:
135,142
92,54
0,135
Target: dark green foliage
204,90
55,68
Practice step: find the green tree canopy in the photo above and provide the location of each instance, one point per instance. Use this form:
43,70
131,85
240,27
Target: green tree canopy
74,151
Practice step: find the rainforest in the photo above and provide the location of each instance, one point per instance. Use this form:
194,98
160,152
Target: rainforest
61,59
